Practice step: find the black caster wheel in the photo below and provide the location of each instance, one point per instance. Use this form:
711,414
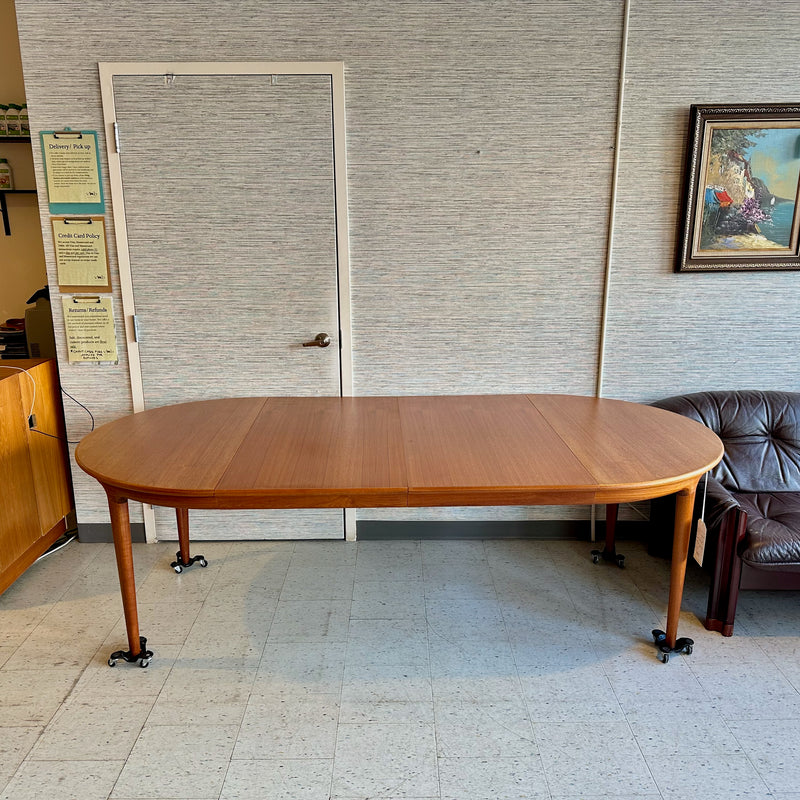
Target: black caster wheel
682,645
595,559
142,658
621,562
179,564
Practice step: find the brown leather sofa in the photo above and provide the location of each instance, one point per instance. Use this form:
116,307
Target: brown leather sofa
752,508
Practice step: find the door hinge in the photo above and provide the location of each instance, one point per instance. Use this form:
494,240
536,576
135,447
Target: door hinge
116,136
136,331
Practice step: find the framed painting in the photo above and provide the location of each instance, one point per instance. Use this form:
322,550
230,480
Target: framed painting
741,199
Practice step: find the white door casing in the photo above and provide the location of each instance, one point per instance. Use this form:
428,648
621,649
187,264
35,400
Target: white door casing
228,184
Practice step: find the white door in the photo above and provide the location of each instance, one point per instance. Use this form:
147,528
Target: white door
232,231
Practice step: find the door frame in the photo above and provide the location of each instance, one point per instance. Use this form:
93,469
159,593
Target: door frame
108,70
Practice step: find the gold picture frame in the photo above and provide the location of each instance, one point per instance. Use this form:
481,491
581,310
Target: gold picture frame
741,199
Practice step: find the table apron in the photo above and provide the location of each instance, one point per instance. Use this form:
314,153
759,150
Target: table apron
392,498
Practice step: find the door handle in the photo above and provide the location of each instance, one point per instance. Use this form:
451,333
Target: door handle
320,340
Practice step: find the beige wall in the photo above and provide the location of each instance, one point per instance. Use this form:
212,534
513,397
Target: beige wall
480,145
22,267
676,333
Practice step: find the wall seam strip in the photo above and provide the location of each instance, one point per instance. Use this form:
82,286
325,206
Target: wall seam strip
613,201
601,346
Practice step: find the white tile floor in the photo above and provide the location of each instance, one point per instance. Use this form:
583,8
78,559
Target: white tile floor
457,670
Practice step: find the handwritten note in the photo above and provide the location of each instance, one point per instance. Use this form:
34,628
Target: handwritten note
89,323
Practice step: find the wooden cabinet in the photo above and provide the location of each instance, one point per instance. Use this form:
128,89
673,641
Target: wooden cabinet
35,487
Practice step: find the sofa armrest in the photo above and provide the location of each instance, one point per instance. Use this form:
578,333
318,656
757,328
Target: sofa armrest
719,502
729,521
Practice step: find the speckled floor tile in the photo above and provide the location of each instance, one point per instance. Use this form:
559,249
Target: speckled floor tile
389,599
713,777
576,694
385,760
203,696
289,727
743,691
307,621
291,779
600,758
396,561
15,744
534,676
466,729
32,698
318,582
394,693
393,641
286,669
119,682
164,623
181,761
66,780
486,778
773,747
683,730
93,732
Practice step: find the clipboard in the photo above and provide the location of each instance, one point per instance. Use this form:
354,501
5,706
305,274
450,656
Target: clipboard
89,326
72,171
81,254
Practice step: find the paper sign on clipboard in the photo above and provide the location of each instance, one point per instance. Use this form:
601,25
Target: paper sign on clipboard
81,256
89,324
72,172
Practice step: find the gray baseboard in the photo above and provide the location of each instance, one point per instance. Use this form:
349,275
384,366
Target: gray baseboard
101,532
579,530
382,530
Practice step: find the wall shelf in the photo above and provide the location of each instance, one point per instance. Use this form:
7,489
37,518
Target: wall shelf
4,192
4,205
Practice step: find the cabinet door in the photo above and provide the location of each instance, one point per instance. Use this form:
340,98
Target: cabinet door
19,516
48,454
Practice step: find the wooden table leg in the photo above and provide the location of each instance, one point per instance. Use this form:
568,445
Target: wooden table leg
183,559
669,642
609,551
121,529
182,515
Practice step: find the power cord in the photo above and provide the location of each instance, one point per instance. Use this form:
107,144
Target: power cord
67,537
32,416
33,383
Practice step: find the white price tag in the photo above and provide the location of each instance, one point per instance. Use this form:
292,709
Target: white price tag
700,542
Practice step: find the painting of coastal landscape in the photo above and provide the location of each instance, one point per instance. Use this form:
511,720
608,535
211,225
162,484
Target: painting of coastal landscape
743,193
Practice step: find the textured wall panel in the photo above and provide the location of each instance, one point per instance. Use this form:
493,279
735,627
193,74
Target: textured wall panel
231,233
229,197
480,142
675,333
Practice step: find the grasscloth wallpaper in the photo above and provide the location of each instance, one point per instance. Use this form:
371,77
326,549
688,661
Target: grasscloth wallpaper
480,147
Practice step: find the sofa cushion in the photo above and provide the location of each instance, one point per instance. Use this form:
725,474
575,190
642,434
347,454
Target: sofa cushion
773,530
760,431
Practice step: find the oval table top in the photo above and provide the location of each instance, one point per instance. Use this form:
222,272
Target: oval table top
449,450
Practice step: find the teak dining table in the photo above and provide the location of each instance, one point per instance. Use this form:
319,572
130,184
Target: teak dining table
370,452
